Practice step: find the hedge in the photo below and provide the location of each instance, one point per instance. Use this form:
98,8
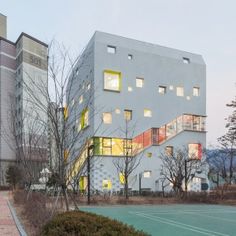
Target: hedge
80,223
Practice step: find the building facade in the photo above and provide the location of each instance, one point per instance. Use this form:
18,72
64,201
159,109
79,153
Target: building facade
23,69
153,96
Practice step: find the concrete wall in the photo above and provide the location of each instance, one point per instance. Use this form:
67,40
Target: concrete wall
17,63
7,99
3,26
104,168
158,66
82,76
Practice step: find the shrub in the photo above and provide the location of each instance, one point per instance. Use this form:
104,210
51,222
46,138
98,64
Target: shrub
19,196
74,223
13,176
4,188
36,211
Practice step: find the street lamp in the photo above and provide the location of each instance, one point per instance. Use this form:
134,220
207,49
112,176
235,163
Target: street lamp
140,182
89,154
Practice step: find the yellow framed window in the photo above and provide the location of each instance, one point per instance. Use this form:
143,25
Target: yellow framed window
112,80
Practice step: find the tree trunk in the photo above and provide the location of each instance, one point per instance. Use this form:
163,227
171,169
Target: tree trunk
65,198
231,169
126,188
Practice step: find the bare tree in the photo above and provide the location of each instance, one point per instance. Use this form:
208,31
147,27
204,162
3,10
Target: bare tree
127,163
179,168
26,137
228,144
218,166
56,100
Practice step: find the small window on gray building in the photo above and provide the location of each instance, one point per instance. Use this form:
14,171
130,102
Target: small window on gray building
130,56
139,82
147,174
77,71
149,154
186,60
169,151
107,117
196,91
81,99
180,91
128,114
147,113
162,89
130,89
117,111
111,49
88,86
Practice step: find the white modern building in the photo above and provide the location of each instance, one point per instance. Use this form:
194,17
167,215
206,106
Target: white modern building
158,91
23,69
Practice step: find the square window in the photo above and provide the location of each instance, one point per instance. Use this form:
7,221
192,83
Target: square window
162,89
81,98
107,118
106,142
169,151
130,57
72,102
147,174
149,154
180,91
130,89
88,86
112,81
147,113
139,82
195,151
196,91
111,49
117,111
128,114
171,87
77,71
186,60
106,184
84,119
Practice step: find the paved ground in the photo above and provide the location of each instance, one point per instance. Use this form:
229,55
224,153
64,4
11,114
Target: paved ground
7,224
176,220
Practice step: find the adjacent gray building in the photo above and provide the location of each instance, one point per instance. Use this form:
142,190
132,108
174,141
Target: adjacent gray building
23,67
152,95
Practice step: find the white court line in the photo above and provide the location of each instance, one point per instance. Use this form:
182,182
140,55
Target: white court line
188,212
184,211
214,217
182,225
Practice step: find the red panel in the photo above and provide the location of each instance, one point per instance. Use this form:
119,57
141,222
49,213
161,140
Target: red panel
137,143
162,134
147,138
154,136
199,151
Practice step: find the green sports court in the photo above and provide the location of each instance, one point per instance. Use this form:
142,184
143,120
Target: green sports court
179,220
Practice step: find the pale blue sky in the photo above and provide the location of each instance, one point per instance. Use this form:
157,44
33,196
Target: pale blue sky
206,27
